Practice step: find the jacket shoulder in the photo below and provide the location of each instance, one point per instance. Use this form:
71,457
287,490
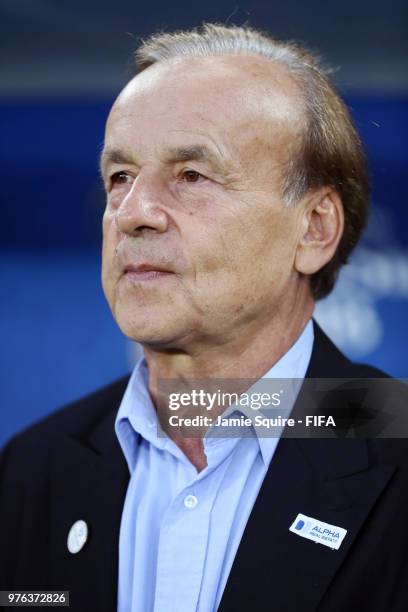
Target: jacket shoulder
327,361
76,419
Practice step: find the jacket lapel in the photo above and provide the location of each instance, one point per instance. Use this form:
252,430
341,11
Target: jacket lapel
274,564
330,480
89,483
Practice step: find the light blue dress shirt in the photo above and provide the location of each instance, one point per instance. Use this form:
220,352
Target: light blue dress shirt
180,529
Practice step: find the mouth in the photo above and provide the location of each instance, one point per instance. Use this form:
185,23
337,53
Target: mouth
145,272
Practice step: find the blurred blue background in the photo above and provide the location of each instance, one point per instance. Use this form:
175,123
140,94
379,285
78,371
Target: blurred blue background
62,66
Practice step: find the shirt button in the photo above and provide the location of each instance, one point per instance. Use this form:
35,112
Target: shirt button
190,501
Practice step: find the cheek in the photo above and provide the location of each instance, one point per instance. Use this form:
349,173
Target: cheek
261,246
107,222
209,250
277,230
106,240
109,244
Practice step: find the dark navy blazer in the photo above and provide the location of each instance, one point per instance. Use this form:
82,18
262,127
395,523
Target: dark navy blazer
70,466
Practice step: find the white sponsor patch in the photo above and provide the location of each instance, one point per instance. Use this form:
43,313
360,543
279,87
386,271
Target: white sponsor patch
317,531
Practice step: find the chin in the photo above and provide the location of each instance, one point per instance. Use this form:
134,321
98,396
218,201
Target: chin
149,330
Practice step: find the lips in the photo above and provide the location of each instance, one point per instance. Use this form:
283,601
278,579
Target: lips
145,271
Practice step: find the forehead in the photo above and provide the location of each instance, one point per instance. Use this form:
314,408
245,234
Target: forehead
229,99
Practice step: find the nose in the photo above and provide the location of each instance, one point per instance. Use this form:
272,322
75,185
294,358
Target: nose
142,207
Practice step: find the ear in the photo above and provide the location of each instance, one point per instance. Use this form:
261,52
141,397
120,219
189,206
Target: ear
322,226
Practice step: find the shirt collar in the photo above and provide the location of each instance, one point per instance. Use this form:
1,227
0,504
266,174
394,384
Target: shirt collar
293,366
137,414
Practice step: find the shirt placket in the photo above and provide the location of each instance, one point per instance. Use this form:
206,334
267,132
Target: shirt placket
183,540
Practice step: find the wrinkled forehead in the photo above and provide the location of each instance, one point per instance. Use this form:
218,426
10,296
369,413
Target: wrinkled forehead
236,96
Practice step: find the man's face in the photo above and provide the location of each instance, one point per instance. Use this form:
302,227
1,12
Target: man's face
198,246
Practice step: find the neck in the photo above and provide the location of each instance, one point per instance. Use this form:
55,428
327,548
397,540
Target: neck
248,355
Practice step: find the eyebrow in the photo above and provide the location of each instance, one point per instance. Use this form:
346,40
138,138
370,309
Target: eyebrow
195,152
114,156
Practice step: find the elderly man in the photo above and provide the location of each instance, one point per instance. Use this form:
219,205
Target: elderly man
236,188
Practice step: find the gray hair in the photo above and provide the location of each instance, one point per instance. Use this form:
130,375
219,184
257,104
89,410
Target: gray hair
330,152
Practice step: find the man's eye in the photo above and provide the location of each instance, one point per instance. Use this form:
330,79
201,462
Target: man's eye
191,176
120,177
